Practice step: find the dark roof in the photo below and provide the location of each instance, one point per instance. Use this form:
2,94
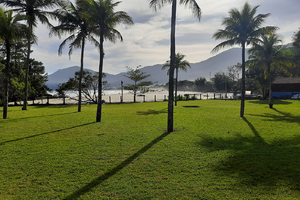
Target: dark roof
286,80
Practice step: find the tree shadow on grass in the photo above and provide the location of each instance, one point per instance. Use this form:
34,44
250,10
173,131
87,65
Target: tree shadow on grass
16,119
152,112
53,105
255,163
116,169
283,116
32,136
267,102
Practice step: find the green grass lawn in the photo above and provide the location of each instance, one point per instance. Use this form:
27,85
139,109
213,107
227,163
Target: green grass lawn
54,152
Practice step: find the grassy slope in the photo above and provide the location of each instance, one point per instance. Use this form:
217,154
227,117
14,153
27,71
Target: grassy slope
53,152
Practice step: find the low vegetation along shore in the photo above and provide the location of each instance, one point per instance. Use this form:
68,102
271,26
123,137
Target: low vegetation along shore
54,152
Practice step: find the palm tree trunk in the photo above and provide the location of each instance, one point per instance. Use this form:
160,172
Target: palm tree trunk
270,87
6,82
27,66
5,103
243,81
99,106
134,92
81,74
176,87
171,74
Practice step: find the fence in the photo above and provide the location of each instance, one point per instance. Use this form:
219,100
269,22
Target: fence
128,98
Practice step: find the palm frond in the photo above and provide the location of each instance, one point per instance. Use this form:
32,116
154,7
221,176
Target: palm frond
227,43
158,4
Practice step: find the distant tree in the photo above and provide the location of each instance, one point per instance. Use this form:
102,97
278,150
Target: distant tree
136,75
234,75
89,86
181,64
296,39
201,84
242,28
222,82
38,79
197,12
200,81
186,85
256,80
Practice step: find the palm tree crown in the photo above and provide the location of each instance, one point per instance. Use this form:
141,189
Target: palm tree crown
179,63
242,27
71,21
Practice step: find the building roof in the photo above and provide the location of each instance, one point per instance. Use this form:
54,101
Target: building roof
287,80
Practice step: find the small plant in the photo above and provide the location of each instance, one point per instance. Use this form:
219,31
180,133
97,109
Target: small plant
180,98
194,98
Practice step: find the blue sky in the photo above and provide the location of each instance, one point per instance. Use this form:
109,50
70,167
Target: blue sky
147,41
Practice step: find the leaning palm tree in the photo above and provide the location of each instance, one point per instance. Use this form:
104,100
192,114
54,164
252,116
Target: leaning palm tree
197,12
11,30
179,64
268,54
102,15
72,21
34,10
242,28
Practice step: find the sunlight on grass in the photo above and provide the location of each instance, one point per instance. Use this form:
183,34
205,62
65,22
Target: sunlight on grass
53,152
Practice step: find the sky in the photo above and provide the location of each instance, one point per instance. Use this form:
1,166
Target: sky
147,42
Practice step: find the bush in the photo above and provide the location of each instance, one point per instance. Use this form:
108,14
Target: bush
180,98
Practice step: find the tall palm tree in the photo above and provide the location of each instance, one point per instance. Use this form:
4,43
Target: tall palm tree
72,21
34,10
11,30
242,28
268,54
179,64
102,15
197,12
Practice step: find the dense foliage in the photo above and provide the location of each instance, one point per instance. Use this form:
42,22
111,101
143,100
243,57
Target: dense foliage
89,86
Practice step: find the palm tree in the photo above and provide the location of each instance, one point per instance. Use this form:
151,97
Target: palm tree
34,11
197,12
242,28
11,30
266,53
102,15
296,56
179,64
72,21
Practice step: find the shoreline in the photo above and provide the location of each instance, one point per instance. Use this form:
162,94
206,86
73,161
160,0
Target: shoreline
128,97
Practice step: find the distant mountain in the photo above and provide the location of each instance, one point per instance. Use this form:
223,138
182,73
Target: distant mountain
61,76
206,69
